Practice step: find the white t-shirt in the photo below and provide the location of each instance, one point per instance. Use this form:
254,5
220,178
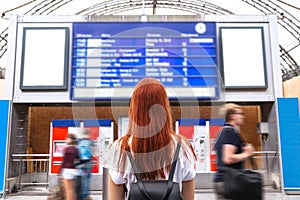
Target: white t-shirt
184,171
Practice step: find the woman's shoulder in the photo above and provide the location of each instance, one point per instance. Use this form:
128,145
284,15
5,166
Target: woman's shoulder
181,140
186,149
117,143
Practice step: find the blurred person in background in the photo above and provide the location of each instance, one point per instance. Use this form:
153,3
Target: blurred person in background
230,148
85,146
68,170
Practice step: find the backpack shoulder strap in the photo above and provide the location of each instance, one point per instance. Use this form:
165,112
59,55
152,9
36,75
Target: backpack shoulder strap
173,167
170,179
134,167
137,175
172,171
174,162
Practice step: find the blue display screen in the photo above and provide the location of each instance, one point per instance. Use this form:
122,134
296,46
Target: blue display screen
116,55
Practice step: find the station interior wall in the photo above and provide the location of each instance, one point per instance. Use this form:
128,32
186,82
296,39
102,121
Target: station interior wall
291,88
40,117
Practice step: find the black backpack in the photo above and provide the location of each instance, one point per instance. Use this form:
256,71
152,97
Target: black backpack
155,189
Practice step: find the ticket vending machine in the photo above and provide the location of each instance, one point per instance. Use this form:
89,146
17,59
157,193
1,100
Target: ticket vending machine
101,132
197,132
202,133
58,132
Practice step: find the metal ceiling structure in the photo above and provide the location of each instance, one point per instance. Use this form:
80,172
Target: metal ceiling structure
193,7
289,66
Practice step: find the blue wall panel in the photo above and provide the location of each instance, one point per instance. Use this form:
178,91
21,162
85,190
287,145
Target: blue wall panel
4,115
289,125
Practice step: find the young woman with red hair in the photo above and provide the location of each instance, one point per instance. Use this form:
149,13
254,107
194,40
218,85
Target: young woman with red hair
152,141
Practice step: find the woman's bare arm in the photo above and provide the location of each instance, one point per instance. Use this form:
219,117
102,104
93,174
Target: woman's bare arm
115,192
188,189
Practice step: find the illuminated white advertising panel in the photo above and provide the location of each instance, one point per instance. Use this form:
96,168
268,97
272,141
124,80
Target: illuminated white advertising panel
44,58
243,57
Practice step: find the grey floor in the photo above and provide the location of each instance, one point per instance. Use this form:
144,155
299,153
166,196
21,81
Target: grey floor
270,194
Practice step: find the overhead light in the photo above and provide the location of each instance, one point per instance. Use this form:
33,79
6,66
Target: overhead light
144,18
2,73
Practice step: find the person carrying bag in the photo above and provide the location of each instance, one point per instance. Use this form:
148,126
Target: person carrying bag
231,152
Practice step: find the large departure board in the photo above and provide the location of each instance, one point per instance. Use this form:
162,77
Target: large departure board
109,59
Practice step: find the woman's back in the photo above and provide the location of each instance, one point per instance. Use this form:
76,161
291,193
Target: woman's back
184,168
151,139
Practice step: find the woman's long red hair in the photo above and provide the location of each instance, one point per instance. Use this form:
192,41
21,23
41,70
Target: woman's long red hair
150,130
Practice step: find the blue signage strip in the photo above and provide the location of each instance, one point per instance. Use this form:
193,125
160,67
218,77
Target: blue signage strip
217,122
289,125
191,121
116,55
4,116
65,123
101,122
